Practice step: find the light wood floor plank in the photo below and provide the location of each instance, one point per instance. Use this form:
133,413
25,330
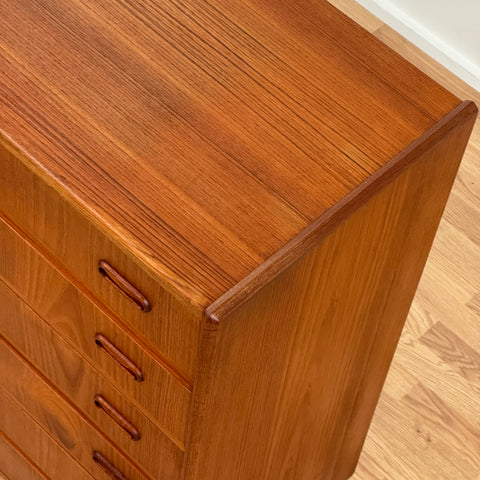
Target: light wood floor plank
427,424
418,363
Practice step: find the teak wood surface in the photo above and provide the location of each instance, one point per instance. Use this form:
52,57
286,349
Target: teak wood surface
77,320
170,329
35,442
52,413
431,395
205,137
80,382
15,464
267,175
312,349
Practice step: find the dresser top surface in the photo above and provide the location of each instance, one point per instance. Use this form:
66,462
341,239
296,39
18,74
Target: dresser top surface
206,136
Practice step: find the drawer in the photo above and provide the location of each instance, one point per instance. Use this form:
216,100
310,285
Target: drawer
14,465
78,245
43,448
104,405
75,318
52,433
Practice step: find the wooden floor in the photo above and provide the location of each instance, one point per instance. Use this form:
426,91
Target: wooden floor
427,423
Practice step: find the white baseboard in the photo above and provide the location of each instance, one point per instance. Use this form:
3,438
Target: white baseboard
423,38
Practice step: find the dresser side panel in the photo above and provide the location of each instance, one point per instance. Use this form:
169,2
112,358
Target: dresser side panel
288,383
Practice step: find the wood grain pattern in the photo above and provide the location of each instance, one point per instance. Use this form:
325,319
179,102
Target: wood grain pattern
118,417
415,363
81,383
124,286
76,320
336,315
206,159
15,464
43,448
310,237
108,466
454,351
265,177
63,422
427,446
171,327
118,356
422,422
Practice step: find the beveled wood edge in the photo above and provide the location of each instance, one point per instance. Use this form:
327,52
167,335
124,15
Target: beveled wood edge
285,256
179,289
322,226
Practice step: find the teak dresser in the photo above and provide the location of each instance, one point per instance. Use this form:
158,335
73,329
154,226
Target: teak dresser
214,216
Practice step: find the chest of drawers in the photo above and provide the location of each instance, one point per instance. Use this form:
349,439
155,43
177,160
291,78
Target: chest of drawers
213,219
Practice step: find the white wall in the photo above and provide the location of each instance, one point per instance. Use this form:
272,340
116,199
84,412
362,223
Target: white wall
448,30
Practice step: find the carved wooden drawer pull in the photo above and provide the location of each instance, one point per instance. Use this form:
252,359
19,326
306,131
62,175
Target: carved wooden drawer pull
108,466
124,285
117,417
103,342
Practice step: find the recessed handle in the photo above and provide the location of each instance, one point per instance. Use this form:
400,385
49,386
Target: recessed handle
117,417
103,342
108,466
124,285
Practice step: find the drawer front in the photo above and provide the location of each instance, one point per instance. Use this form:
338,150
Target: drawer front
79,246
103,404
50,431
39,445
13,463
77,320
